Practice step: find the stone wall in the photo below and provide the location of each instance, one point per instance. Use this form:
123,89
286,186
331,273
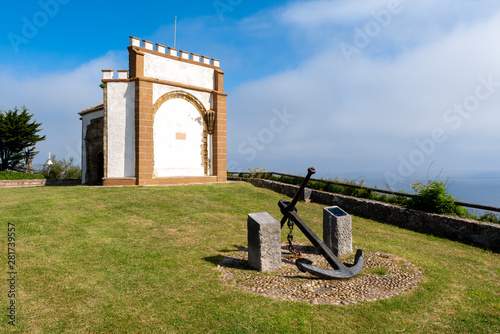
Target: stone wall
486,235
22,183
37,183
61,182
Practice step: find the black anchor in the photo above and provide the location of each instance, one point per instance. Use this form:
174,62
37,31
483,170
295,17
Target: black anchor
341,270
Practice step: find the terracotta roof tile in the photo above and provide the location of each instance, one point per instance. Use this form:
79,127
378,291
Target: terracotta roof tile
92,109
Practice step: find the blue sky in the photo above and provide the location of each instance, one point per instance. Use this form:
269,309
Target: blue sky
381,86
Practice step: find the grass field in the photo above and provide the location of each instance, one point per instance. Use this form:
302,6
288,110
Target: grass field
142,260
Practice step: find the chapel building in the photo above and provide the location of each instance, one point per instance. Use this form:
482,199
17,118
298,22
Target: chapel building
162,121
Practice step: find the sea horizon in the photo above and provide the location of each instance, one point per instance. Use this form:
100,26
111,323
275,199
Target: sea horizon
474,187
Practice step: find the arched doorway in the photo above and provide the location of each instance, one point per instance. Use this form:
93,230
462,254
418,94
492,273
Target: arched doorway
94,152
180,136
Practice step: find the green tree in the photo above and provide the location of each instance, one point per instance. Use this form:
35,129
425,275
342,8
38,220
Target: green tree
62,169
18,137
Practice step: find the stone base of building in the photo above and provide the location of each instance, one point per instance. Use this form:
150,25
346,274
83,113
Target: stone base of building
119,181
132,181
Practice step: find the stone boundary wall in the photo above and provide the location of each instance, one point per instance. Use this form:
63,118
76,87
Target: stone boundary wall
37,183
22,183
486,235
60,182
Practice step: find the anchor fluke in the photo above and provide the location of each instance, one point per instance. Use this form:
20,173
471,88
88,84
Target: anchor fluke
306,265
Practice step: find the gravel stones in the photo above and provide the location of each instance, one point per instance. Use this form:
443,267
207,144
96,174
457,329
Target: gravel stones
383,276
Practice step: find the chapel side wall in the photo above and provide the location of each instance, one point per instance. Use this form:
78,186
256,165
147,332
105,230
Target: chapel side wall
120,125
86,119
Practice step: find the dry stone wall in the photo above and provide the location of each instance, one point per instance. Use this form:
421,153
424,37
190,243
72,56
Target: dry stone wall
469,231
38,183
22,183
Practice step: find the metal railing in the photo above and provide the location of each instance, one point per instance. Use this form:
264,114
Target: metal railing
268,175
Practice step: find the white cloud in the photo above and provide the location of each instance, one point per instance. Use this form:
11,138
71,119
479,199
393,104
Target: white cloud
365,114
314,13
396,24
55,99
346,12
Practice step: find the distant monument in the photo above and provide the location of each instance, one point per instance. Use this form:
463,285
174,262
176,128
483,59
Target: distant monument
163,121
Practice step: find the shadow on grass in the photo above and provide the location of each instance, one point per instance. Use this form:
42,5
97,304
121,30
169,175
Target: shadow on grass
214,259
235,248
228,261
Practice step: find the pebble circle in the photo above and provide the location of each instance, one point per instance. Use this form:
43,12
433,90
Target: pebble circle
383,276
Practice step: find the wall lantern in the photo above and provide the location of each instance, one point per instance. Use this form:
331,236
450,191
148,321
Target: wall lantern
210,121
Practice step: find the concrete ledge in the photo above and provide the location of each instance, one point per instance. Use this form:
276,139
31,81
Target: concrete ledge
469,231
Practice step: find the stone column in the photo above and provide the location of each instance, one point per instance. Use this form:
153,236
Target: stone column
337,230
219,137
144,119
264,242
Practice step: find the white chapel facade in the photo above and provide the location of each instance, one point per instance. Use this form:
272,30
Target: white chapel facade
162,121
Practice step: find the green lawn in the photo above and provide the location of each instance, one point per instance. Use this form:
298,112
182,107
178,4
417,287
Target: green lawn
142,260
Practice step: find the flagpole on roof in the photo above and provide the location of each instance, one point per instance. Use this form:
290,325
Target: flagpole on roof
175,30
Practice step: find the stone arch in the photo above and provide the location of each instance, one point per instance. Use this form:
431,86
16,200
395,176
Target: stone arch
179,94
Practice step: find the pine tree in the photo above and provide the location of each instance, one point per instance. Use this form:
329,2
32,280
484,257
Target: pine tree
18,137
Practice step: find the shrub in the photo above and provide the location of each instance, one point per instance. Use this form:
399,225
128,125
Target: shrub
399,200
290,180
257,170
363,193
62,169
274,178
315,185
490,217
11,175
433,197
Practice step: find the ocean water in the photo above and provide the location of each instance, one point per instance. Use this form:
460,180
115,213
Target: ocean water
479,188
470,187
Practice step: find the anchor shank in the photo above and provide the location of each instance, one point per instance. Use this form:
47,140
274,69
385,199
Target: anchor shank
295,199
317,242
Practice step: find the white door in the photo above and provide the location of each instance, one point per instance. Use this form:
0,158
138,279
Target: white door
178,140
